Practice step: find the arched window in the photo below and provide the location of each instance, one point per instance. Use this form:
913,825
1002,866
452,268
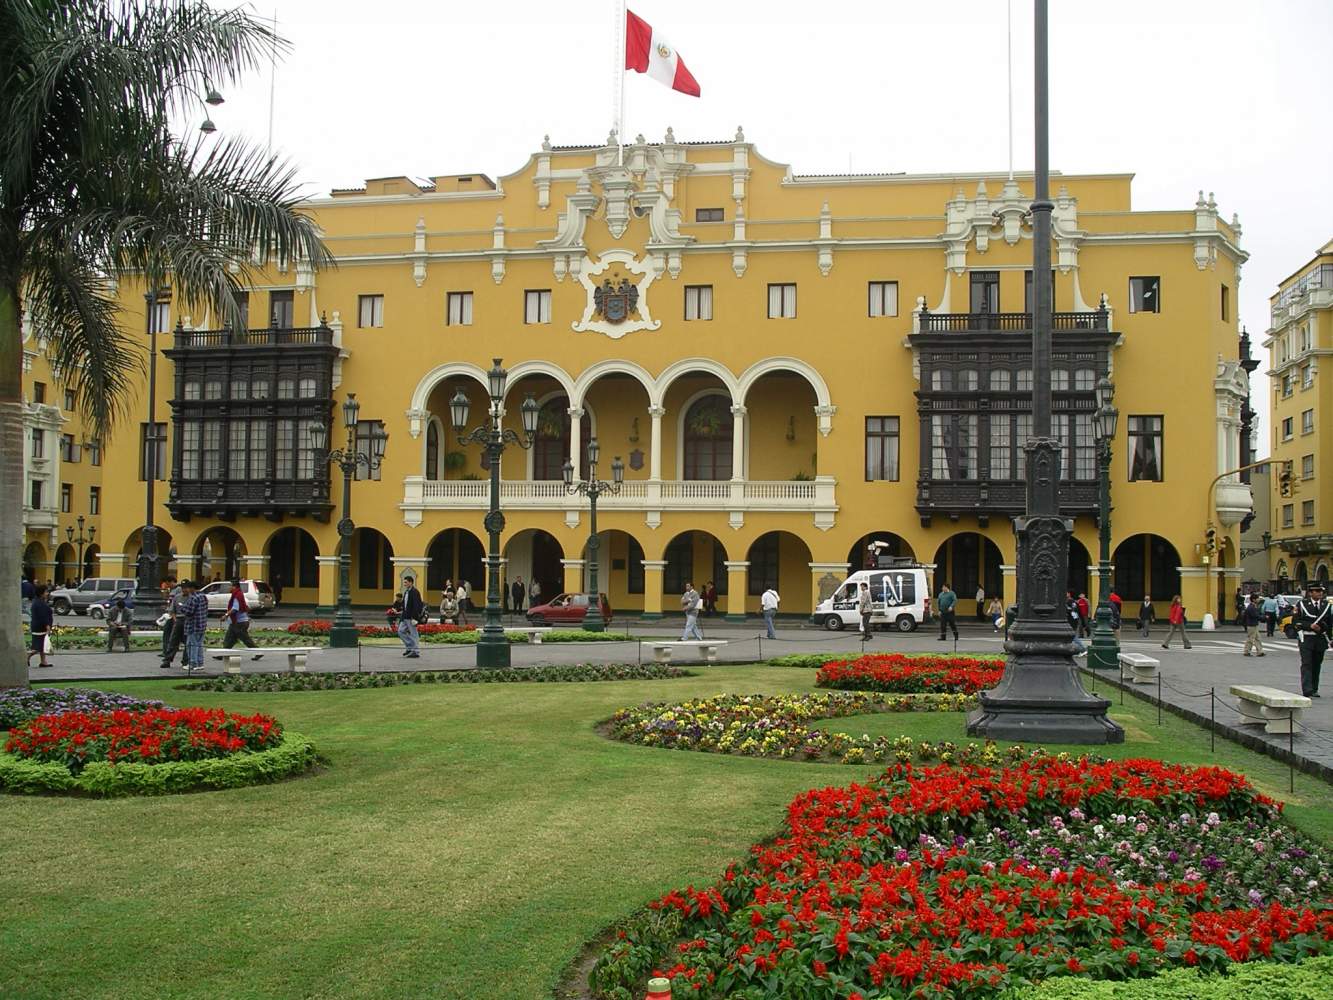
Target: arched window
553,436
1302,573
707,445
432,450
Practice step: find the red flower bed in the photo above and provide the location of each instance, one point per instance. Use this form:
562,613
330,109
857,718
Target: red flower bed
319,626
147,737
894,673
872,891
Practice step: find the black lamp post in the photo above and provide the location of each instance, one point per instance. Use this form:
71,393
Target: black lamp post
344,635
493,646
1040,697
148,578
592,487
1104,653
81,541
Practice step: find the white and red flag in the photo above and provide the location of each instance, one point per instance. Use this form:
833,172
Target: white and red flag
646,51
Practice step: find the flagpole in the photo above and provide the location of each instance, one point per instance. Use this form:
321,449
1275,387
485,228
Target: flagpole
1009,49
272,78
620,74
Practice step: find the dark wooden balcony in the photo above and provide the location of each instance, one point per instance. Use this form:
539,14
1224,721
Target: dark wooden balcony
1002,322
228,499
302,336
1008,498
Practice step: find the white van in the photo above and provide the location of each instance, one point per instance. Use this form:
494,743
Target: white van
900,595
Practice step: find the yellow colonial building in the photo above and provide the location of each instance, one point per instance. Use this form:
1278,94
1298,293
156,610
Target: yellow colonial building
1299,342
789,366
62,470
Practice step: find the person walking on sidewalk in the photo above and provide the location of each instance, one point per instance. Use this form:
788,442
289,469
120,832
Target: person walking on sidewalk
1147,616
995,612
516,594
689,603
1176,618
413,606
39,626
118,626
1084,616
194,610
1270,614
1313,618
464,597
173,623
947,603
238,619
1251,617
981,603
768,604
865,606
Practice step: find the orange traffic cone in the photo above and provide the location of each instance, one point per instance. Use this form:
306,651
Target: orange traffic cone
659,989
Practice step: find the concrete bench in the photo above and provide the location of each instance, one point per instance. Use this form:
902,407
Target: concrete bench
1138,668
1276,709
707,649
296,656
533,632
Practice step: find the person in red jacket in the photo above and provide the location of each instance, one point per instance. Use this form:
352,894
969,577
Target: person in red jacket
1084,620
1176,618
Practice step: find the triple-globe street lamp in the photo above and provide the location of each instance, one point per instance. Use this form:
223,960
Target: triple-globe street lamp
493,646
344,635
592,488
81,541
1104,652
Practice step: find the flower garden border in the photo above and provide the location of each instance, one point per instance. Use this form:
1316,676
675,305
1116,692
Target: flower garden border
574,673
293,756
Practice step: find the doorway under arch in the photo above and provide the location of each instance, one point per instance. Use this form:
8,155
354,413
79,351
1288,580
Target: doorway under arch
373,579
781,560
894,547
534,554
456,554
965,561
1147,565
221,554
293,566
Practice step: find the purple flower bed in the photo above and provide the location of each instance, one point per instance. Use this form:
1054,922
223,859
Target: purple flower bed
20,705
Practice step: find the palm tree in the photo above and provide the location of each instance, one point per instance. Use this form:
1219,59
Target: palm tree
94,187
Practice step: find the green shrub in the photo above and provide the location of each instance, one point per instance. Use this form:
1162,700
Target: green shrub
555,635
812,660
569,673
293,755
1308,980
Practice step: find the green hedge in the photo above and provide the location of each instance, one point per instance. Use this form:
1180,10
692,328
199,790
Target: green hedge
293,755
80,637
571,673
1308,980
555,635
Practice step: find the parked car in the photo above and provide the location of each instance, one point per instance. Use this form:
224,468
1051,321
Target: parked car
900,599
566,609
78,600
102,608
258,595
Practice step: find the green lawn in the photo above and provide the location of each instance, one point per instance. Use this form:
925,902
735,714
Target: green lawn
464,843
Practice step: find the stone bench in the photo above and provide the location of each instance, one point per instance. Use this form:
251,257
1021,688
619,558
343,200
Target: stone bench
534,633
296,656
1276,709
707,649
1138,668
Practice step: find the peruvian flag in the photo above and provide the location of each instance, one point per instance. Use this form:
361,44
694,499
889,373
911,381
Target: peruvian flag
646,51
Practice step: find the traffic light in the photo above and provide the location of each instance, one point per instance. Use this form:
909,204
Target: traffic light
1210,539
1285,485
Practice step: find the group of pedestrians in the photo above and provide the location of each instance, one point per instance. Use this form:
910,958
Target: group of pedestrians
184,622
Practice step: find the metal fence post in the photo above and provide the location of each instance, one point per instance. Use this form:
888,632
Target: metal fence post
1212,720
1159,698
1291,750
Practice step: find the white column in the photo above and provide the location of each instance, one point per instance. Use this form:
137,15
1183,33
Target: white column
655,444
737,443
575,437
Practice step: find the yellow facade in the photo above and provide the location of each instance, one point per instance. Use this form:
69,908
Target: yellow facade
798,390
1299,341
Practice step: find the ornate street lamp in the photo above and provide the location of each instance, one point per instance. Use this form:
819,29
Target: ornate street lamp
148,577
1104,652
81,541
344,635
592,487
1040,697
493,646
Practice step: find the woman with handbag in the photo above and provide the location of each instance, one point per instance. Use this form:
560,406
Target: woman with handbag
40,627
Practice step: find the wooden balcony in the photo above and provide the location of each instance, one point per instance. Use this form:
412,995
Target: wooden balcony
1001,322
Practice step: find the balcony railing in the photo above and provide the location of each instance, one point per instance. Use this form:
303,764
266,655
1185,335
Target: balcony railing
1002,322
935,496
795,495
305,336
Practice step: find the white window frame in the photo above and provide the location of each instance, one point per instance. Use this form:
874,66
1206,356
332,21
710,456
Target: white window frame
458,309
537,305
698,302
883,299
782,300
369,311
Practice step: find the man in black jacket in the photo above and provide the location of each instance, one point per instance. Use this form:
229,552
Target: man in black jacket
1312,619
413,606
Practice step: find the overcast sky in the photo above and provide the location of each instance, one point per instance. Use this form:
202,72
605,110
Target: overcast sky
1221,95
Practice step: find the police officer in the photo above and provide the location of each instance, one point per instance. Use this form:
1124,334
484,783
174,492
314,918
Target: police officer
1313,618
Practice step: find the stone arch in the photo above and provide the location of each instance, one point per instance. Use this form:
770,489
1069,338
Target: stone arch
293,565
548,368
440,373
965,560
686,366
1302,572
166,548
620,572
696,556
455,554
1146,564
587,431
535,553
896,546
220,553
1321,572
609,367
1079,564
66,567
90,556
782,364
372,570
34,555
781,560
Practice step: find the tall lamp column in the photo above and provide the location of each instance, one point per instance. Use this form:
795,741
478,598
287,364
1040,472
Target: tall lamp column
148,579
81,541
344,635
592,488
493,645
1104,652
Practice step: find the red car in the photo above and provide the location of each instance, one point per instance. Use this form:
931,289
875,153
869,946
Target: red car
566,609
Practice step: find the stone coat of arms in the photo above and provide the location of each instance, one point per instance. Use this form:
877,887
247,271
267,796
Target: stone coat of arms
617,287
614,303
